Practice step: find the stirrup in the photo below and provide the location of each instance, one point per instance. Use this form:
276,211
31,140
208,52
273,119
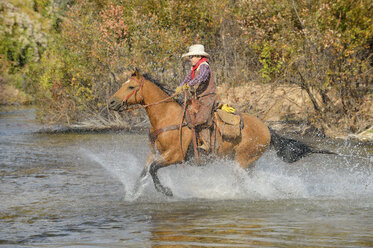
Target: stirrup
204,147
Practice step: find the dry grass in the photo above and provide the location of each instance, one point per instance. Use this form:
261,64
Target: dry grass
9,95
290,104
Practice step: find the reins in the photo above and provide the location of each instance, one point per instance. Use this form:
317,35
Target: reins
141,84
181,127
153,135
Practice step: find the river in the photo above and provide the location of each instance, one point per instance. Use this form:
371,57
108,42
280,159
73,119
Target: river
74,190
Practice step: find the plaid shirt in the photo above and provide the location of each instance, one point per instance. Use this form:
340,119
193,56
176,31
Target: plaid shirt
203,76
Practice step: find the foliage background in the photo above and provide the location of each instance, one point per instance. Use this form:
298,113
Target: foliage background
84,47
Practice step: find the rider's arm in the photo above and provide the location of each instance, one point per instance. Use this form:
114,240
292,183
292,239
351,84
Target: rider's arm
203,75
186,79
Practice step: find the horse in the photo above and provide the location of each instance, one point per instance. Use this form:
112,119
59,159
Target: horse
167,138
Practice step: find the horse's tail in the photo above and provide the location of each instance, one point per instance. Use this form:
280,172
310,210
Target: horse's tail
291,150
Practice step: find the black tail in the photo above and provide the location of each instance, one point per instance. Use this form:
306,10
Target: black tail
291,150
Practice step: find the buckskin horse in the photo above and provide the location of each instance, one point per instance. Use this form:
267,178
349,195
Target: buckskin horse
169,142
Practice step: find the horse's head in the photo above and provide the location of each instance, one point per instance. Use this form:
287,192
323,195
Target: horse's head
129,94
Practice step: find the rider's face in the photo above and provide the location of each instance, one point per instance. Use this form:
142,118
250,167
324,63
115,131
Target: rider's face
194,59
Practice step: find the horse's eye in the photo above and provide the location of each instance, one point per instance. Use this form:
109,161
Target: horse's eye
131,87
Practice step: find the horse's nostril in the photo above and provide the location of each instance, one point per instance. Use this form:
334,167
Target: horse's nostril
112,104
115,104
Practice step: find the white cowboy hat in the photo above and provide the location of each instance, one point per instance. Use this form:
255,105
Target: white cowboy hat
197,49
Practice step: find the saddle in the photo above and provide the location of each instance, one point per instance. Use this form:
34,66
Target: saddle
202,116
227,121
228,124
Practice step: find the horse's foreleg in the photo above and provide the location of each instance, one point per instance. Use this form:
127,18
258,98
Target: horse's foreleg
154,167
141,180
168,157
144,173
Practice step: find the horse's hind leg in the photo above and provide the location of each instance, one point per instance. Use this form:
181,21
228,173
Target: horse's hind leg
154,167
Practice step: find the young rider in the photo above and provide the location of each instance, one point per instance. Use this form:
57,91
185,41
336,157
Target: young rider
201,85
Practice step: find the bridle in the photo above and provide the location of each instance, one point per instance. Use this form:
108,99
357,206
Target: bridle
140,89
154,135
135,91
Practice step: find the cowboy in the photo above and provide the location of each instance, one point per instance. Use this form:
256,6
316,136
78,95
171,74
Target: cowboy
202,88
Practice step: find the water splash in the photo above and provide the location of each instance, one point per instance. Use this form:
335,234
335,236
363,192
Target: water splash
270,179
126,171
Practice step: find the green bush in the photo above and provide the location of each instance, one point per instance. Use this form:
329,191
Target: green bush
323,46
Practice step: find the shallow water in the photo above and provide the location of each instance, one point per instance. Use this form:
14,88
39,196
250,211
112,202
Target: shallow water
75,190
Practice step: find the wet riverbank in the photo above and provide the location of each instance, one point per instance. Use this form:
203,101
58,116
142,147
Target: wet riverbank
285,108
290,129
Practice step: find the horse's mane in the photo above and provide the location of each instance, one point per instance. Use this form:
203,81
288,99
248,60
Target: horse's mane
147,76
164,88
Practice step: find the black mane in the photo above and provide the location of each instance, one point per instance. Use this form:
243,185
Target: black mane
147,76
168,91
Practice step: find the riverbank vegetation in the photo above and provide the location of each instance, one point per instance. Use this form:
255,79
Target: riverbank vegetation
69,54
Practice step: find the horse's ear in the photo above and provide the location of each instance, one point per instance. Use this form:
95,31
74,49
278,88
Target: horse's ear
136,73
113,76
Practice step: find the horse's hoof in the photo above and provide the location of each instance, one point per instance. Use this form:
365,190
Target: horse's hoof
168,192
165,190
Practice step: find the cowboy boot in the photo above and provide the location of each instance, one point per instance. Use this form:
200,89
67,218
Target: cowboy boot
204,136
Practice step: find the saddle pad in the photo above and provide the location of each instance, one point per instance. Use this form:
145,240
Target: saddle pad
228,118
